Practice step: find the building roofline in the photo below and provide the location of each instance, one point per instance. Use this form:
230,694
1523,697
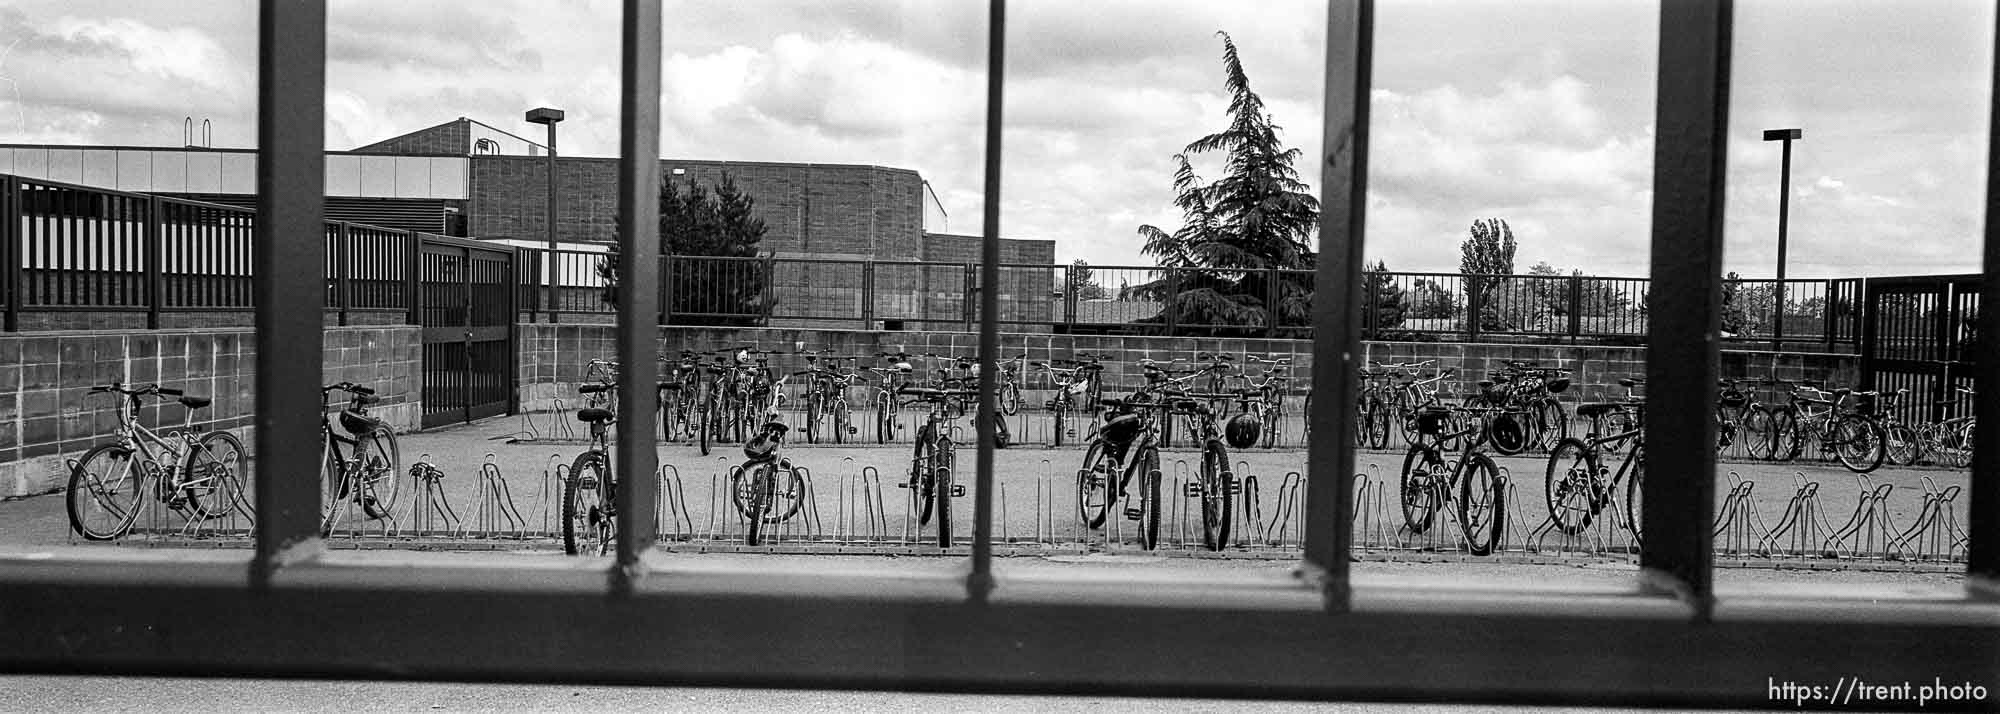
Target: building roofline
203,149
531,142
483,157
813,165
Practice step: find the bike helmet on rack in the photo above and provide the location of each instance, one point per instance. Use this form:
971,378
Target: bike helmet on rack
1242,430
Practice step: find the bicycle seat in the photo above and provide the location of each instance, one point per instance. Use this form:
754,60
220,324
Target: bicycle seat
1587,410
359,424
195,402
1632,381
592,388
594,415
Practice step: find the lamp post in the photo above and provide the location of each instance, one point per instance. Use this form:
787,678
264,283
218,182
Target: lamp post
549,118
1784,206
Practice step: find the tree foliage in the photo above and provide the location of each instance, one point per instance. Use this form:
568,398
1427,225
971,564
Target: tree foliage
1257,216
1078,281
1488,250
1386,296
713,233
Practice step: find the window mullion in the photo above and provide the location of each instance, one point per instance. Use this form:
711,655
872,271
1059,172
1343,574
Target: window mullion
638,492
290,290
1690,155
981,580
1983,528
1350,31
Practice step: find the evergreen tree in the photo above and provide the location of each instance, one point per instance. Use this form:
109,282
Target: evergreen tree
1488,250
704,230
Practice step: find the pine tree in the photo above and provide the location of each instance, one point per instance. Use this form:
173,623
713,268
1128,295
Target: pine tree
708,227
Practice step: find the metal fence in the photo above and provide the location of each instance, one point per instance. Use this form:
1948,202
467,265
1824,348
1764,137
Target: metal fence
75,248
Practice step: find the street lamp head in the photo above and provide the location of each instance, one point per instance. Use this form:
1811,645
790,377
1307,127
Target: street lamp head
1769,134
544,115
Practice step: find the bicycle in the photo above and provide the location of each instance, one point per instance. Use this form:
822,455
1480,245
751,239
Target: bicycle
368,473
1429,482
1948,442
933,465
1271,409
1011,374
754,486
197,477
826,396
589,502
962,376
1825,417
1216,483
1126,424
1577,487
1077,387
889,379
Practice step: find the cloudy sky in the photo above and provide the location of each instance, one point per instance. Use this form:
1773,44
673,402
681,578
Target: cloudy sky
1536,112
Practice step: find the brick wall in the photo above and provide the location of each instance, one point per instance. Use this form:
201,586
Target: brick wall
46,412
554,356
807,208
123,321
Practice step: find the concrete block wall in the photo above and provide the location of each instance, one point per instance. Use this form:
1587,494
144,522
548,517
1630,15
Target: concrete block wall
47,413
554,356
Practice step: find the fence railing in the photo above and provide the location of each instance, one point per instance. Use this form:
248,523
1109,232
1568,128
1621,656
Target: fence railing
72,248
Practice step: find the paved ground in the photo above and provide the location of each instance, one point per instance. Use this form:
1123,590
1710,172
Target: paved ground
1036,499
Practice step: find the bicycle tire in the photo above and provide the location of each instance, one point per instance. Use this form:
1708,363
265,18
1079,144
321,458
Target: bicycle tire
335,486
1788,441
1570,486
120,493
1010,398
922,478
1002,437
211,476
885,418
1482,504
1635,491
1273,418
1094,495
944,472
1418,488
1058,406
1360,423
1215,497
843,419
1900,444
812,419
1857,442
1961,456
585,493
762,485
1148,467
1759,432
381,472
794,493
1379,417
1551,423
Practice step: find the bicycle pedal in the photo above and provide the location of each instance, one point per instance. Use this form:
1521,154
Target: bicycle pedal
957,491
1133,513
587,483
1191,489
1233,486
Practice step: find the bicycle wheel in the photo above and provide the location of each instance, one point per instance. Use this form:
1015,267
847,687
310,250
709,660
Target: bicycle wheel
757,489
1787,436
1001,436
1360,424
843,420
813,413
336,485
1379,416
788,493
945,474
1508,433
378,475
1420,487
1058,406
1215,497
922,478
1273,418
211,480
1551,424
1482,511
587,522
1634,496
1010,398
885,416
1759,432
1900,444
1857,442
705,415
105,487
1570,486
1147,468
1094,496
1960,455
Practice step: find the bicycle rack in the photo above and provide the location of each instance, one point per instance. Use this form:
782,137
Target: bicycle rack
552,486
434,508
672,506
1803,524
559,428
1288,513
1935,534
1737,520
1252,513
496,504
1869,526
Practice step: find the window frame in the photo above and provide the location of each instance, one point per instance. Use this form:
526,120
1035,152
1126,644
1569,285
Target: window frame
292,608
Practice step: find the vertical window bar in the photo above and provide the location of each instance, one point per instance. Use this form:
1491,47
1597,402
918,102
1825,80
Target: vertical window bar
1690,154
290,293
1983,526
980,582
639,241
1350,33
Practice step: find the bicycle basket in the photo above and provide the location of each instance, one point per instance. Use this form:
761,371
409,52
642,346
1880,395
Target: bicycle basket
1242,430
759,447
1734,399
1557,385
1431,422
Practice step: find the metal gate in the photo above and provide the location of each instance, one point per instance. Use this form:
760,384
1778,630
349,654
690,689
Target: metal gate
466,308
1918,333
